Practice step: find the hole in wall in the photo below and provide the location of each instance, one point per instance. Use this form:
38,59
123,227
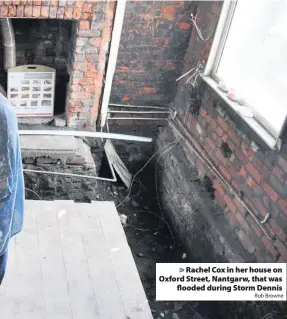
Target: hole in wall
195,101
226,151
208,186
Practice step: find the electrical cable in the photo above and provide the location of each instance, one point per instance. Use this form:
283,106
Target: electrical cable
169,146
197,71
146,229
195,146
194,83
140,182
193,20
30,190
195,74
139,191
139,106
182,76
120,164
139,171
200,153
161,217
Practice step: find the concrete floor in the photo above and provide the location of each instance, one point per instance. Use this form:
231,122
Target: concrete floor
72,260
56,148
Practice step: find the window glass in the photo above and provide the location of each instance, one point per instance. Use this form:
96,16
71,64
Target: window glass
253,62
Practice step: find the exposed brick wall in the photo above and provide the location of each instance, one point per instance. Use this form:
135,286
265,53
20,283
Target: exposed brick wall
256,172
43,41
188,202
89,48
153,43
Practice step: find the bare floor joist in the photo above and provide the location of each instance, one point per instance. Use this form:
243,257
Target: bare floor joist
72,261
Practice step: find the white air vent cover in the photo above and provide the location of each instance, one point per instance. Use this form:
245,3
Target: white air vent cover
31,90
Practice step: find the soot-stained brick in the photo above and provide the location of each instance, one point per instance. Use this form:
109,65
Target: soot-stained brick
257,173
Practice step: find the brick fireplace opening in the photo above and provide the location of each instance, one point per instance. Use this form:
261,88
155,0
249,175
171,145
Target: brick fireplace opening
48,42
74,38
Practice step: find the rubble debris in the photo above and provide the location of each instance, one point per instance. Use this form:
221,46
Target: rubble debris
60,120
123,219
135,204
178,306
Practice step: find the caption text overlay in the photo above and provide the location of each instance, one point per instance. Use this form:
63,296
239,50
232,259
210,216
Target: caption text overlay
221,281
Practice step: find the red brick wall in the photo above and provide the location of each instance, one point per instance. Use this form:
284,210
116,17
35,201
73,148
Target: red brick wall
254,171
153,43
92,37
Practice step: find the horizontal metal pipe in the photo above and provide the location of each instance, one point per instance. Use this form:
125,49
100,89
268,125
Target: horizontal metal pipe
114,179
141,112
199,151
139,118
140,106
87,134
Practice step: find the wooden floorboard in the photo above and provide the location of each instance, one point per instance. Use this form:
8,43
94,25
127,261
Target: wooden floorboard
72,260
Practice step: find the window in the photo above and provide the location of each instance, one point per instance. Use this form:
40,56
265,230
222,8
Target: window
249,57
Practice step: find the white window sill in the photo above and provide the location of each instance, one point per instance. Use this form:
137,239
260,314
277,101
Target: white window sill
270,140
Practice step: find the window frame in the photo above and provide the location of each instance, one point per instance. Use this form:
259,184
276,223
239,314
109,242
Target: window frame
223,38
257,123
